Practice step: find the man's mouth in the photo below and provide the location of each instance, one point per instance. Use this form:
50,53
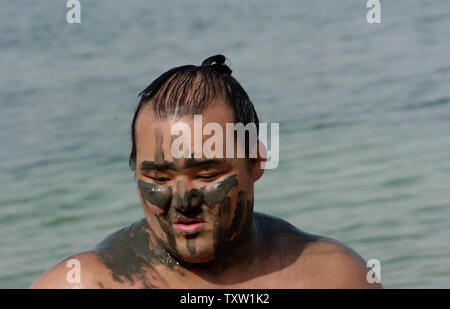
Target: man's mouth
188,226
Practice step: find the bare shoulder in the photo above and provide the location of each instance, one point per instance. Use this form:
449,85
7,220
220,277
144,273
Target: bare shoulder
80,271
327,263
313,261
121,260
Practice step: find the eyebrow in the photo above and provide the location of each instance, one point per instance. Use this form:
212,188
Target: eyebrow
151,165
189,163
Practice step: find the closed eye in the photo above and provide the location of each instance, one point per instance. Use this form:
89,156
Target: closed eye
208,177
159,179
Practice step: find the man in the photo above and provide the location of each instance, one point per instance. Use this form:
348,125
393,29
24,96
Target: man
200,230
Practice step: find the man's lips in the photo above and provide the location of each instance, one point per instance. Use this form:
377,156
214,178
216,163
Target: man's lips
186,221
188,226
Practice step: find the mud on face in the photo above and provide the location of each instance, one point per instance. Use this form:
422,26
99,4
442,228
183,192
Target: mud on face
211,204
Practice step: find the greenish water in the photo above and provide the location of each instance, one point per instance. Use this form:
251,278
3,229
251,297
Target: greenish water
364,113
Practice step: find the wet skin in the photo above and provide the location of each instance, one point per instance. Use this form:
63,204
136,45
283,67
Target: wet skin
135,258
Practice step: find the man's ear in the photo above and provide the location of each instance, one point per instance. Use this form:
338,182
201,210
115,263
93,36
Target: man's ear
259,162
133,159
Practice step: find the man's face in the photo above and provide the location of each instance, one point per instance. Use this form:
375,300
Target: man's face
196,207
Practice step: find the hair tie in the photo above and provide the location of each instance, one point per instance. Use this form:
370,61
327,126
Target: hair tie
217,64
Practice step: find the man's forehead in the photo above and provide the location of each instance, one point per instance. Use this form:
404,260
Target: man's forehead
217,112
148,121
201,136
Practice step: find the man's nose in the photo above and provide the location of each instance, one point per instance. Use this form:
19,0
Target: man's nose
186,198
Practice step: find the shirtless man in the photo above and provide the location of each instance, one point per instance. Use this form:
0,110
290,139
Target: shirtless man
200,230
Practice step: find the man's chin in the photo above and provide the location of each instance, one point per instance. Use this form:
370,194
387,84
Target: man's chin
198,258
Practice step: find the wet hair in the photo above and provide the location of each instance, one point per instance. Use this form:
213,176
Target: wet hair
189,90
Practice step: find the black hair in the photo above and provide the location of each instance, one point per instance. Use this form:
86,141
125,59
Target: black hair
189,89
